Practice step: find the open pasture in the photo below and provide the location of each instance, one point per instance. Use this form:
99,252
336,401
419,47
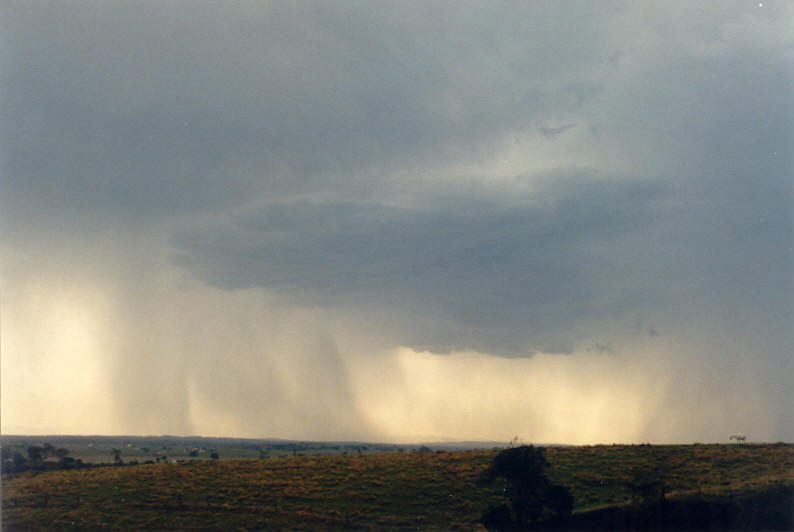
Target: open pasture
384,491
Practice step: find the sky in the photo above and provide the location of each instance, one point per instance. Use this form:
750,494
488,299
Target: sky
569,222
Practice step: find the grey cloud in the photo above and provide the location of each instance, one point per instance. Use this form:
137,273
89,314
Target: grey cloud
601,348
145,113
142,112
551,132
650,330
343,155
501,276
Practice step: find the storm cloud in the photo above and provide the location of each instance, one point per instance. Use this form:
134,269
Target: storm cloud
232,202
500,277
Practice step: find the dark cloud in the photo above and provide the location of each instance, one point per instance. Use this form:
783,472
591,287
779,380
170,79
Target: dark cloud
500,276
499,177
142,111
601,348
551,132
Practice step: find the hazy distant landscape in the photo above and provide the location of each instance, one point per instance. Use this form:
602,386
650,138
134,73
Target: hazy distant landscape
283,485
99,449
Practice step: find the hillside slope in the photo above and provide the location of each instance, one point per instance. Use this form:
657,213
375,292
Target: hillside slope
387,491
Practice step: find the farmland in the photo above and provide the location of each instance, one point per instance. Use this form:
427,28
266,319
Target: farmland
99,449
434,490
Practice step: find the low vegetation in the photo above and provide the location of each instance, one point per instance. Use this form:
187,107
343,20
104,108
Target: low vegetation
405,490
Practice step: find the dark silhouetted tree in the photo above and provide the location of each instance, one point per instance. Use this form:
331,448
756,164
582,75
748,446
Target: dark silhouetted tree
35,455
62,454
20,462
531,496
13,462
648,489
37,459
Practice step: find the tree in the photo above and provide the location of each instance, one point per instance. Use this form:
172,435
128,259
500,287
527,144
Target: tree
62,453
531,495
36,455
648,488
37,459
14,463
117,456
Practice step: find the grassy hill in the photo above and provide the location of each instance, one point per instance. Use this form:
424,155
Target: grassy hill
390,491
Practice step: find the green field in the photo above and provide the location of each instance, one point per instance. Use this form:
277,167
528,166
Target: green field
389,490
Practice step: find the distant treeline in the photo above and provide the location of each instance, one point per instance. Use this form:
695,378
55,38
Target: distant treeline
223,443
47,457
38,458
